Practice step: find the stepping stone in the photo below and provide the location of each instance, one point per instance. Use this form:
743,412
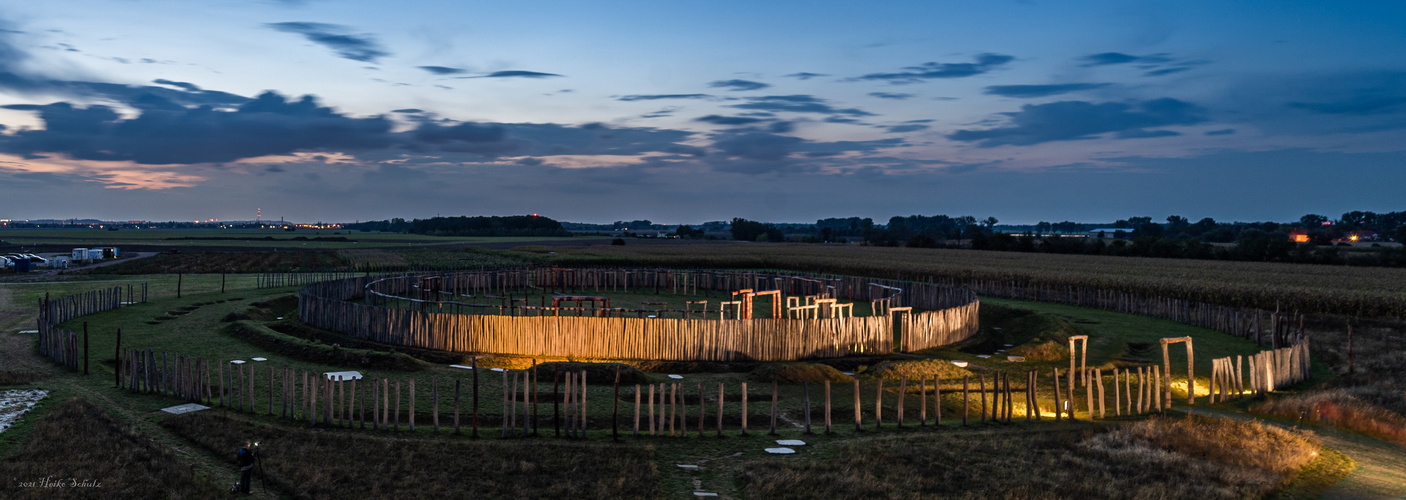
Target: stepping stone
983,356
704,494
790,442
237,361
259,359
1016,359
676,377
185,408
848,373
780,451
996,328
29,331
461,367
689,467
960,364
1010,345
497,369
348,375
281,317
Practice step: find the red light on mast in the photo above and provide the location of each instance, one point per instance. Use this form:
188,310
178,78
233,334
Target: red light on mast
534,214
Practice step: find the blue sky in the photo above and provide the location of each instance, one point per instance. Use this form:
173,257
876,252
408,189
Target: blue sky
686,112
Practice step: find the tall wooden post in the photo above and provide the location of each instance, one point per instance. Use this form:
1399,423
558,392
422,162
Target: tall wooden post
827,406
966,398
773,408
85,347
615,414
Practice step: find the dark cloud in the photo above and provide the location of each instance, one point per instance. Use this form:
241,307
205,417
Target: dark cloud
167,133
728,120
797,104
362,47
890,95
782,127
758,146
738,85
1166,71
1145,134
1227,131
1110,58
931,70
408,110
1075,120
805,76
442,70
655,97
911,127
1029,91
515,74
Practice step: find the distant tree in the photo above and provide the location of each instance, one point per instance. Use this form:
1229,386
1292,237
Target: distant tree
685,231
990,222
1043,227
1177,224
1312,220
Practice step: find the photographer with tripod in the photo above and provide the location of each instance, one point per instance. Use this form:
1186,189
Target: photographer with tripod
245,460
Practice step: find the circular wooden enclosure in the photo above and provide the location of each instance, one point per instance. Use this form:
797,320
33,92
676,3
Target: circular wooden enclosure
422,311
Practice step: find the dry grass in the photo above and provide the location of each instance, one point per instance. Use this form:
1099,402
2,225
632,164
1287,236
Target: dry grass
1157,459
1339,408
795,373
1048,350
80,442
916,369
309,463
18,378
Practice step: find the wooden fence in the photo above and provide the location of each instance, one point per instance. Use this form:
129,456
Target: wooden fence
1266,370
65,347
952,316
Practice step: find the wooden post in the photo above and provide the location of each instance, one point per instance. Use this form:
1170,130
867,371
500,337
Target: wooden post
701,410
773,408
936,400
117,355
474,366
1098,373
827,406
651,410
397,405
981,379
360,409
805,387
507,407
412,404
966,397
1031,405
1089,396
857,417
744,408
615,414
637,410
1058,407
720,409
902,391
583,404
456,410
1190,377
536,382
85,347
434,401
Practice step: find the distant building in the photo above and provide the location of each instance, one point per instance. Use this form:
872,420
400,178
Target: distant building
1299,236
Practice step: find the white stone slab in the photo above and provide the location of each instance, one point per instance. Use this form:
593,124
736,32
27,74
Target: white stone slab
983,356
790,442
462,367
15,403
959,363
848,373
280,317
1010,345
704,494
29,331
259,359
780,451
676,377
996,328
347,375
1015,359
689,467
237,361
497,369
185,408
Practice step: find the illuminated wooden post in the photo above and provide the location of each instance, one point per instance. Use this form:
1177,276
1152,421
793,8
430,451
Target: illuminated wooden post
1083,341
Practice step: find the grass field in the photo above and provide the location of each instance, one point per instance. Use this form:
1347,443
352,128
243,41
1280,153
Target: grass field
638,467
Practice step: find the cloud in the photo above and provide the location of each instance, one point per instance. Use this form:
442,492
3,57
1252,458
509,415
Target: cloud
1145,134
655,97
1227,131
1030,91
890,95
362,47
1111,58
805,75
167,133
1166,71
931,70
1368,102
188,87
515,74
797,104
728,120
909,127
442,70
738,85
1076,120
408,110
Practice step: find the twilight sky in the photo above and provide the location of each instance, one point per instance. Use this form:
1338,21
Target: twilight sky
675,111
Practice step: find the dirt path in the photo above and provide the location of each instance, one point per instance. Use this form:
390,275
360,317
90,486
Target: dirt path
1381,466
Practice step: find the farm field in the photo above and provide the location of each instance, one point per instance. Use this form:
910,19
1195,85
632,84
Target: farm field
644,467
1306,288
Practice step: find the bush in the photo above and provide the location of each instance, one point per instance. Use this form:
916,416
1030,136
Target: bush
916,369
795,373
1340,409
